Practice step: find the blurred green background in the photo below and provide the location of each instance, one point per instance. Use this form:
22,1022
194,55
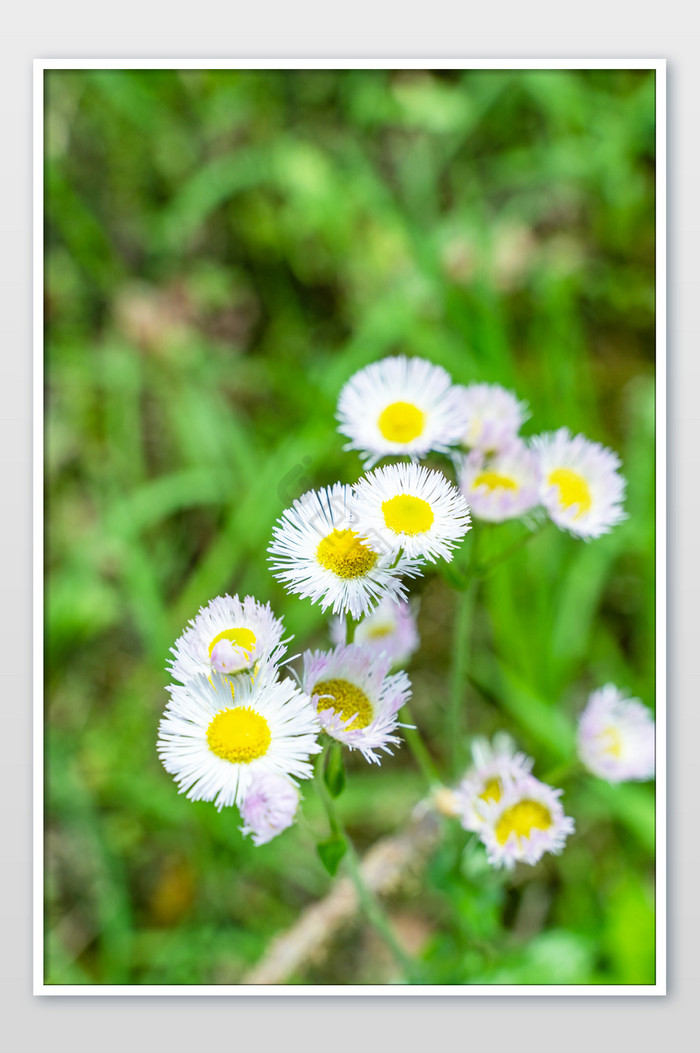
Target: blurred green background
223,250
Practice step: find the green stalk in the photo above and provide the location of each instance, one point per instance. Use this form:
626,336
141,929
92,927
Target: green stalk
458,673
460,656
368,901
418,748
563,772
486,570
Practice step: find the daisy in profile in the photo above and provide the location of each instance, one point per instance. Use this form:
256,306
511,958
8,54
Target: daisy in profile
495,766
268,807
411,510
502,486
526,821
318,553
217,734
356,698
492,416
390,629
616,736
580,485
399,407
228,636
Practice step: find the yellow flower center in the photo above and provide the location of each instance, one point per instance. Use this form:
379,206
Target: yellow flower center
401,422
239,735
346,699
492,790
521,819
405,514
495,481
243,638
613,742
343,553
573,489
377,632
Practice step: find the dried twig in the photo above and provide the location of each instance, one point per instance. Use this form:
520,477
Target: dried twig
383,868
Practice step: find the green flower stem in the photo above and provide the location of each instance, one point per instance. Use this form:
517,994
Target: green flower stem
418,748
458,674
562,772
368,901
488,568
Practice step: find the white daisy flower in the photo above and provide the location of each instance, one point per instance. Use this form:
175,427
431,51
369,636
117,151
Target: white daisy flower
616,736
268,807
400,407
580,485
356,700
228,636
526,821
389,629
495,766
409,509
218,733
493,416
317,553
502,486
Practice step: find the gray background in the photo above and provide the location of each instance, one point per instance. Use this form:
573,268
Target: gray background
440,30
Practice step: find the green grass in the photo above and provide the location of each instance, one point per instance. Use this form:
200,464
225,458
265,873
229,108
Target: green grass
224,249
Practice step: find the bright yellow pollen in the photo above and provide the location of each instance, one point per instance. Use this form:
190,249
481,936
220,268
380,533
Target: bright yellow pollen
401,422
405,514
613,742
239,735
492,790
573,489
344,554
495,481
521,819
243,638
345,699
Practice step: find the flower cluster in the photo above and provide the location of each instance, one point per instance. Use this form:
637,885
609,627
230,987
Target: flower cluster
240,732
407,407
517,817
237,732
234,732
350,547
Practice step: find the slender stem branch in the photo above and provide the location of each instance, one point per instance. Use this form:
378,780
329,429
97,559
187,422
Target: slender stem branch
420,752
373,911
501,557
562,772
458,673
349,624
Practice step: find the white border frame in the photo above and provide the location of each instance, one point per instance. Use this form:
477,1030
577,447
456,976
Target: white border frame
245,990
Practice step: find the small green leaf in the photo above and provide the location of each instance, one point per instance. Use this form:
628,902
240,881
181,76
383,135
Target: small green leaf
331,852
334,775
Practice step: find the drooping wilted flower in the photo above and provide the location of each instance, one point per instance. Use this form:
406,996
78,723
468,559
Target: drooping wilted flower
616,736
580,485
218,732
400,407
355,696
